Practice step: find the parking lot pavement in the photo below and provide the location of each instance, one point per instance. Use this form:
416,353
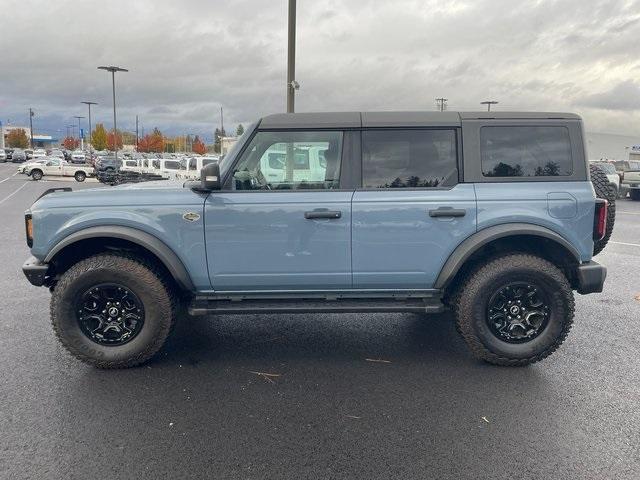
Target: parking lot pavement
347,396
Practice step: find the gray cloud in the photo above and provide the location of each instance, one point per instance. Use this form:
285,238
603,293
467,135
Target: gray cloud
188,58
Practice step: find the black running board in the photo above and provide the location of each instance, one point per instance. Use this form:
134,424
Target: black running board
204,305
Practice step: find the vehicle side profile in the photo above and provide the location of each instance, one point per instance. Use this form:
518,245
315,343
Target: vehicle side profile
492,216
58,167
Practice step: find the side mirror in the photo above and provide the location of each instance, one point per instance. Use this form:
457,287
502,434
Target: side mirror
210,177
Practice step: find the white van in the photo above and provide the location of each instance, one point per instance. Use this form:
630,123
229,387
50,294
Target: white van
190,167
309,164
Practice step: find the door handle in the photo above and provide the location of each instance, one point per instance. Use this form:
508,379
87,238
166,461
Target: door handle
447,212
322,214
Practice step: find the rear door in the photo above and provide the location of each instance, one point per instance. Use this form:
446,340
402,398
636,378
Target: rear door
278,224
411,212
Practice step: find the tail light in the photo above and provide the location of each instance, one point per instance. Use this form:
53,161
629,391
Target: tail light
600,219
28,223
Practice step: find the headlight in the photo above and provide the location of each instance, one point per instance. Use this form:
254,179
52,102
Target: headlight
28,223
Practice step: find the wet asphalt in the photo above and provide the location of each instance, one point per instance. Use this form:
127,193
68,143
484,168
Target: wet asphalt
346,396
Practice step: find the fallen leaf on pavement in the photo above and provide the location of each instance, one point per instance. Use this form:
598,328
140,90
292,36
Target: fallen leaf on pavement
266,376
377,360
485,419
353,416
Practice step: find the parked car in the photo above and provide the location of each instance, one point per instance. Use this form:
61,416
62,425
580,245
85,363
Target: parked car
32,164
78,156
61,168
631,178
18,155
39,153
8,152
56,152
612,176
3,156
108,163
28,153
494,218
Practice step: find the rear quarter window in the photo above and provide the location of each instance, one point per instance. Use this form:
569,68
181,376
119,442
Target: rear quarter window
525,151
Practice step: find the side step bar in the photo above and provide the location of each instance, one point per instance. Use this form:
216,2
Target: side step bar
205,305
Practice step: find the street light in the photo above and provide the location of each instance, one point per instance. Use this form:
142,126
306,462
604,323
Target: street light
90,132
488,103
113,71
79,118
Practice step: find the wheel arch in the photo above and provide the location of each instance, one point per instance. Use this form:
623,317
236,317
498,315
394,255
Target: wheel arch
514,237
114,237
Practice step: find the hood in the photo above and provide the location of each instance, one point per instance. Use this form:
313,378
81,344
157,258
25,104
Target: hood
155,193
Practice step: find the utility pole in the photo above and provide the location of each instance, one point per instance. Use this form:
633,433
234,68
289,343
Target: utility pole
221,121
488,103
292,85
79,136
31,114
90,131
113,71
137,138
442,103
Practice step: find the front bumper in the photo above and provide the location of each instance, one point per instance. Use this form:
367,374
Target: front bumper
591,276
35,271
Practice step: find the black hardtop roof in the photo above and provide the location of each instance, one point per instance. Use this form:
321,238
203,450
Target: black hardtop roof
395,119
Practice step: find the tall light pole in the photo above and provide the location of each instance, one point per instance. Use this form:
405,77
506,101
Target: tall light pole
31,114
488,103
292,85
113,71
90,131
79,138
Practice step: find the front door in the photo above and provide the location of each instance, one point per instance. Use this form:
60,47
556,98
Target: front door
411,212
281,222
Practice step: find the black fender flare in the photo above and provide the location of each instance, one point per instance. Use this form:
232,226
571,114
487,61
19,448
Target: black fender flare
476,241
167,256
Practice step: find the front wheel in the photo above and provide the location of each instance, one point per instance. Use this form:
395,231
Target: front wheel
514,310
112,311
80,176
36,175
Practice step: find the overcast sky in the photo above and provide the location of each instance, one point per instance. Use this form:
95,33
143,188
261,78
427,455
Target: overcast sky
187,58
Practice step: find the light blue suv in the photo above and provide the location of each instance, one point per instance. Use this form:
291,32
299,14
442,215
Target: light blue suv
490,215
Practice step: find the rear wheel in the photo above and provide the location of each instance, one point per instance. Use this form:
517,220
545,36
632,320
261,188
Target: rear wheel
36,174
112,311
634,194
80,176
514,310
604,189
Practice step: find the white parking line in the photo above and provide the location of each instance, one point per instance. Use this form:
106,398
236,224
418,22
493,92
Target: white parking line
628,213
2,181
12,194
611,241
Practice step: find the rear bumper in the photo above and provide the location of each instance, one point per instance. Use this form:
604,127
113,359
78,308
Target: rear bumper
35,271
591,277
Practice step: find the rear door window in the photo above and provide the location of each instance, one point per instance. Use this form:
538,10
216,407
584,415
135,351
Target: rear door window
519,151
409,158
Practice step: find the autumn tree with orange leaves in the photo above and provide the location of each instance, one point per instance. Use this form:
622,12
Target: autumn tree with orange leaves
198,146
114,141
152,143
70,143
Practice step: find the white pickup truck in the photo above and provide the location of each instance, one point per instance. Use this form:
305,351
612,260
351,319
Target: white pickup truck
57,167
631,177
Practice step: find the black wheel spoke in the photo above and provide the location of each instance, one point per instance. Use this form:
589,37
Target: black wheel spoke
517,312
109,314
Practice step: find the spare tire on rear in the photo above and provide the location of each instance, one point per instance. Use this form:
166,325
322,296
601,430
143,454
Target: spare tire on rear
604,189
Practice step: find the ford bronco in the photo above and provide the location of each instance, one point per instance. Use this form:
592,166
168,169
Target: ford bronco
490,215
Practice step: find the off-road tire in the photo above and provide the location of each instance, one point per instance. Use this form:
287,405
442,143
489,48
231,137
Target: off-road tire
136,274
470,304
605,190
80,176
634,194
36,174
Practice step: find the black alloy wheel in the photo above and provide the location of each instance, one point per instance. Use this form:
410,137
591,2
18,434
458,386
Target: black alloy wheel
518,312
109,314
